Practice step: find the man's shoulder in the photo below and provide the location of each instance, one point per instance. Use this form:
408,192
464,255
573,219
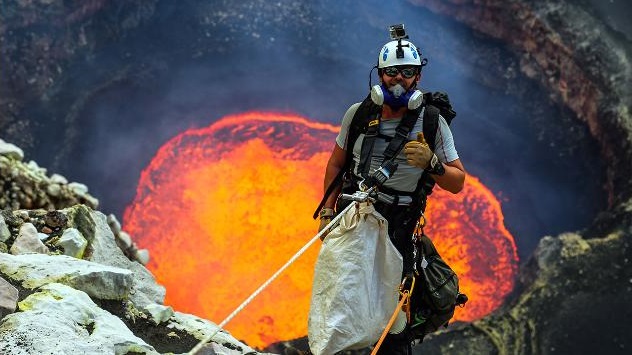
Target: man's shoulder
351,111
354,108
432,113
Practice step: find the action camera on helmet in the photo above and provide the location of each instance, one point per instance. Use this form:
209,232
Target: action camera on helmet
397,32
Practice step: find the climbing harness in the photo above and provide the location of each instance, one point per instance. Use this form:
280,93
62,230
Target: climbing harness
434,104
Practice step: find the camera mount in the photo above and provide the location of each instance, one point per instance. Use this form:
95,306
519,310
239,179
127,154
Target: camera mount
398,33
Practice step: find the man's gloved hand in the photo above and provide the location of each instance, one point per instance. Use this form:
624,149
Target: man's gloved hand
325,215
418,154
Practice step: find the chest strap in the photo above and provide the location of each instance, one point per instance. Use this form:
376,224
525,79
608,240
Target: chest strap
366,151
395,145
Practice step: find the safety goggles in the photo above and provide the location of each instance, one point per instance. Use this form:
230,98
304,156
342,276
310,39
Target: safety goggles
407,72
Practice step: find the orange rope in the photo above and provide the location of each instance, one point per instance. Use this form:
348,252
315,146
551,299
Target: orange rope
390,322
406,305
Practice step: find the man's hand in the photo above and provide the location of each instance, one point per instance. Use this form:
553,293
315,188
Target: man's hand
325,215
418,154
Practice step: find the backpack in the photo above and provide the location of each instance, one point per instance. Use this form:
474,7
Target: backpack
436,291
435,103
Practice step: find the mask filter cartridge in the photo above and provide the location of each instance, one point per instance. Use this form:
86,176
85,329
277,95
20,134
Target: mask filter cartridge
397,97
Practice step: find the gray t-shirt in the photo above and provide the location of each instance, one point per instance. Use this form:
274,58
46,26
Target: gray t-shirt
406,176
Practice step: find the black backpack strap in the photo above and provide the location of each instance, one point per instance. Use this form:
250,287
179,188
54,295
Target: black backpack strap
366,152
401,134
394,146
430,125
365,112
336,181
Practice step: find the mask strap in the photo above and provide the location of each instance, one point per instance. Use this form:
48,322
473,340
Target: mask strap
370,74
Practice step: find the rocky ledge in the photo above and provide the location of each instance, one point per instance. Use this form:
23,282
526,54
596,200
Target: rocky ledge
67,284
575,297
580,61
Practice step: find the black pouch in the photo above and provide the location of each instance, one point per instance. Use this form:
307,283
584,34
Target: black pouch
436,291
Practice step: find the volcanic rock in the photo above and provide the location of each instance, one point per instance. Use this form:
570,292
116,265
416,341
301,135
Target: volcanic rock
124,241
4,231
11,151
574,299
583,64
27,186
115,301
97,280
28,241
103,249
55,219
158,313
73,243
59,319
8,298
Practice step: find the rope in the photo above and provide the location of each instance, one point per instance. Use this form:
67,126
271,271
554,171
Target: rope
390,322
221,325
407,303
404,303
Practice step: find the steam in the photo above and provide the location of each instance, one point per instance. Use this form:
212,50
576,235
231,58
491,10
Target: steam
313,58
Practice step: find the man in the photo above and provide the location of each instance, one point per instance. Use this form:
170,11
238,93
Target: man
399,69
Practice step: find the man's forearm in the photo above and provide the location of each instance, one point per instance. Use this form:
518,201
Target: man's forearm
335,163
453,179
330,174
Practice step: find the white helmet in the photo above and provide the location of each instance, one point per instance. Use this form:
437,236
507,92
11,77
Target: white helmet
409,55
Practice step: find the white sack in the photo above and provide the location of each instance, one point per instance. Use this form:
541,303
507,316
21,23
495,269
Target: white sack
356,283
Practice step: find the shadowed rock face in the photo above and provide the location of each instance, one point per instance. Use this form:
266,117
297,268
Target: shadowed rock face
583,63
574,298
569,289
575,294
40,44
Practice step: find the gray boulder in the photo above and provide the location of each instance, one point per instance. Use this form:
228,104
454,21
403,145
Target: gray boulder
28,241
61,320
99,281
104,250
4,230
8,298
73,242
201,329
11,151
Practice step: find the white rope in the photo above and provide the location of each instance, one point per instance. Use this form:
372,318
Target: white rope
265,284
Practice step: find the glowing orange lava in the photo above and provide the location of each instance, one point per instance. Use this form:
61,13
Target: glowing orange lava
468,230
222,208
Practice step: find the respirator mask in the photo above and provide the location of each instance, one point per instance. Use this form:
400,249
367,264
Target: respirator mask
396,97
